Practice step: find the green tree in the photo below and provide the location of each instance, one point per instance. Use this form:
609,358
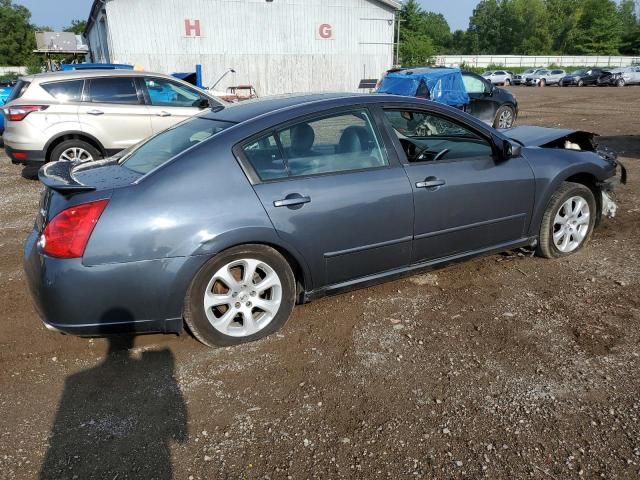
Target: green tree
415,46
598,31
563,17
484,27
435,26
77,27
17,40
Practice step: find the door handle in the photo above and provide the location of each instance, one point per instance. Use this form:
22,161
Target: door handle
163,114
292,201
431,183
95,112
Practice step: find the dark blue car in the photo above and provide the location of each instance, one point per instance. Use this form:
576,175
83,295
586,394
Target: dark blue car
227,220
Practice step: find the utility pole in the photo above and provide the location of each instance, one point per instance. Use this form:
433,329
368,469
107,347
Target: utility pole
398,41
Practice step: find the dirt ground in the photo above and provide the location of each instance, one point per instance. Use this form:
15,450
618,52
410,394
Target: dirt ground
505,367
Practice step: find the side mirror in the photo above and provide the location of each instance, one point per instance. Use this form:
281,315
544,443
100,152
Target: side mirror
505,149
203,103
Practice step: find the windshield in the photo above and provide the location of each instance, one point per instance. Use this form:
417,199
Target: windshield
166,145
531,70
579,72
486,74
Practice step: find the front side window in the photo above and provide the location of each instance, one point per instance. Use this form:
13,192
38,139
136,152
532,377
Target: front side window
166,93
120,90
166,145
341,142
473,84
67,91
427,138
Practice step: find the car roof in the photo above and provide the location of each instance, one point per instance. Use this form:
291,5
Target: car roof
250,109
88,73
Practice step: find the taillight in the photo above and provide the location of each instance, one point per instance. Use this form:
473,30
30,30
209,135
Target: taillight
67,234
18,113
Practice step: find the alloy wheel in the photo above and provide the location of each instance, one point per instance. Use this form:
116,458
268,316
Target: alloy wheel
74,154
571,224
506,119
243,297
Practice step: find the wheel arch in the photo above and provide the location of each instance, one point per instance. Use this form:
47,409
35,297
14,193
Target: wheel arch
269,238
72,135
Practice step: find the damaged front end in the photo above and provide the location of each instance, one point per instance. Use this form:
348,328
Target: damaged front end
579,141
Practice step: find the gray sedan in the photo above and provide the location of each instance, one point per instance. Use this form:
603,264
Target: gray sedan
227,220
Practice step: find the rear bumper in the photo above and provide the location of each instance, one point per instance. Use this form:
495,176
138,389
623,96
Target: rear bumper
25,157
134,297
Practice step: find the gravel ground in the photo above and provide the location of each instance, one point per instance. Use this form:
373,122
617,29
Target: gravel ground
504,367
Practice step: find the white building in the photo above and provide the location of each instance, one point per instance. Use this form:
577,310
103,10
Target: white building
278,46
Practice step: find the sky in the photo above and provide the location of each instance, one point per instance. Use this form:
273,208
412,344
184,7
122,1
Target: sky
57,14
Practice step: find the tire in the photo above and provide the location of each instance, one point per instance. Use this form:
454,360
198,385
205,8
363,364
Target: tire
242,296
509,115
30,172
65,151
566,195
543,82
507,82
621,82
580,83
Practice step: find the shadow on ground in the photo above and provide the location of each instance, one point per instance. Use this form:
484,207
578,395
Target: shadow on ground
118,419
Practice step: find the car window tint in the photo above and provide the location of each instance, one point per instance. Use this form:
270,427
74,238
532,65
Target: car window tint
426,137
265,158
113,90
169,143
346,141
164,92
473,84
69,91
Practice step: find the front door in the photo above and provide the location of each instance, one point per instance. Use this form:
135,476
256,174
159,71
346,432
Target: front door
465,199
113,112
483,105
332,193
170,102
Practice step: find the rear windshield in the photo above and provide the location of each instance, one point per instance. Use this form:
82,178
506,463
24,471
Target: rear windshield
166,145
18,90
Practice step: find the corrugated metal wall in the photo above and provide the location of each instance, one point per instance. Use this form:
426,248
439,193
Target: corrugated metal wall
275,45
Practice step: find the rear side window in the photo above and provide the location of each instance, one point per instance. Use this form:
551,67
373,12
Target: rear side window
166,145
120,90
266,159
18,90
69,91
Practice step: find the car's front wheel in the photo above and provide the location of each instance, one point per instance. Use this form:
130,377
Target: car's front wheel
621,82
505,116
241,295
580,83
568,222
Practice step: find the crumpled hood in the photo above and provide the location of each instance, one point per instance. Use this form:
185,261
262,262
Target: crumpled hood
530,136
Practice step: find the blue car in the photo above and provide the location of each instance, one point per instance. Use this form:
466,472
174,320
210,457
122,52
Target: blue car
225,221
5,92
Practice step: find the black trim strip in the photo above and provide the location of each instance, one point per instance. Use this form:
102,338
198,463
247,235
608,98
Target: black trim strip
471,225
367,247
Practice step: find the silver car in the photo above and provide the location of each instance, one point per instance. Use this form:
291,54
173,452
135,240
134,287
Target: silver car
498,77
89,114
546,77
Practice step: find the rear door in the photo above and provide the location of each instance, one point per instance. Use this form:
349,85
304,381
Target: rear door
333,193
483,105
465,200
113,111
170,102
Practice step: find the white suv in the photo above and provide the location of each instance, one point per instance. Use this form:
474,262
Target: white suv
89,114
499,77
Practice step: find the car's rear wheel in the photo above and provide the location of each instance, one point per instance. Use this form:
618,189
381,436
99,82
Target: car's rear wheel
505,116
240,295
543,82
580,83
568,222
74,150
507,82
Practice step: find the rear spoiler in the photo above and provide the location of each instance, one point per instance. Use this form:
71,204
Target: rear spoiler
58,176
